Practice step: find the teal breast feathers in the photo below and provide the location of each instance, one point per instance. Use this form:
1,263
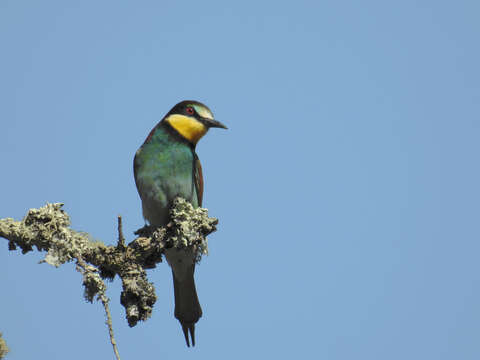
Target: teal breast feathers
164,170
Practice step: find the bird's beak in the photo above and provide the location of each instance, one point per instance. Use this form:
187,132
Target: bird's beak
213,123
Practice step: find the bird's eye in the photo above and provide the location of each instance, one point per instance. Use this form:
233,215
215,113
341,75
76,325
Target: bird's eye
190,110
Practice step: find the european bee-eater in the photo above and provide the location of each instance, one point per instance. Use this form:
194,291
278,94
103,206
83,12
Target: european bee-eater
165,167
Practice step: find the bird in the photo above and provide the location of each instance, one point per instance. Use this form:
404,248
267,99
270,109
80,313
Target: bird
166,166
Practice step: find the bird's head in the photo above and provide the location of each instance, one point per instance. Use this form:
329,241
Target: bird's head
191,120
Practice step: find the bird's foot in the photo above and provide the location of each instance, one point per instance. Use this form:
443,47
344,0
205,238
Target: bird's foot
145,231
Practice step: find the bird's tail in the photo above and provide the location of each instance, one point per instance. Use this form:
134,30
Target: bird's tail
187,306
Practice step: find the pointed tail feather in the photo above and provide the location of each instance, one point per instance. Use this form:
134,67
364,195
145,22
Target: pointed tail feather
189,327
187,306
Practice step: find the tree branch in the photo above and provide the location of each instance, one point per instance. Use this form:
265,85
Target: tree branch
48,230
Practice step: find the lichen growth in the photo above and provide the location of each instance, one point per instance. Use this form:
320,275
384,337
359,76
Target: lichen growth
189,227
92,282
47,229
3,347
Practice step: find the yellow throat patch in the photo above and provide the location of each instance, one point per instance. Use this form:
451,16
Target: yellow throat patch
189,127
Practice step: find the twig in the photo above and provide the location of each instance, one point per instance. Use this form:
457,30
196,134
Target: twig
94,285
105,301
121,238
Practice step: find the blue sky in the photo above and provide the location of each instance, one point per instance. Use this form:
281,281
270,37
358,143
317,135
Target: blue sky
347,185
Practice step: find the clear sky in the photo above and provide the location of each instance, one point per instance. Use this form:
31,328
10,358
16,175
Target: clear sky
347,185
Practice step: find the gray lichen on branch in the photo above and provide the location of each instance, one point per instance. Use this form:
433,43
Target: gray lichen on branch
3,347
48,229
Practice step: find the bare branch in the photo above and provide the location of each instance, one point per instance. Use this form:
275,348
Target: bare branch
121,238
